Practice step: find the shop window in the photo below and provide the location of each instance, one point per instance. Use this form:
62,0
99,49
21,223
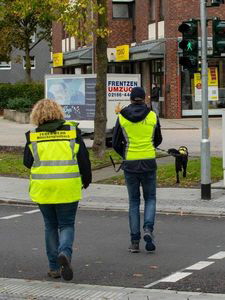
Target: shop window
121,68
191,89
32,62
152,9
123,10
5,65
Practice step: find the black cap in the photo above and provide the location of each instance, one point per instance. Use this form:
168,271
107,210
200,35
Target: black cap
137,94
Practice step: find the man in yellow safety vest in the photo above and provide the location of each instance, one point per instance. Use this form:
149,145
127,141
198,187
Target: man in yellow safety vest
136,135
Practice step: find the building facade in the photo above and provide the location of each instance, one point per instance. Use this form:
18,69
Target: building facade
14,71
150,28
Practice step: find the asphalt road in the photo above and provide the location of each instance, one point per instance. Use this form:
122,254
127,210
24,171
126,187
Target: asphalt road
101,256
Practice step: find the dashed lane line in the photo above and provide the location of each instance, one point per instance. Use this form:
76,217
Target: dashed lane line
20,215
200,265
10,217
182,273
219,255
32,211
175,277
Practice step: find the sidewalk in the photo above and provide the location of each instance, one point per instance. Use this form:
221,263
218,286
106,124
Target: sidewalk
112,197
176,132
26,289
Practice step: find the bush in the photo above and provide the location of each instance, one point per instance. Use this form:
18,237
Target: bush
20,104
33,91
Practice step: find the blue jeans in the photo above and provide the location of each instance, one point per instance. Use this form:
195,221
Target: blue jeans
59,230
148,182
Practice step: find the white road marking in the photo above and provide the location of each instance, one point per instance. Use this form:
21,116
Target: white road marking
219,255
200,265
32,211
175,277
10,217
171,278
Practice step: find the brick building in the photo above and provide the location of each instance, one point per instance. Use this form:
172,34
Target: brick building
150,28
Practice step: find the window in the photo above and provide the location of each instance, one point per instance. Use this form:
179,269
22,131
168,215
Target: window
152,9
162,10
32,62
123,10
5,65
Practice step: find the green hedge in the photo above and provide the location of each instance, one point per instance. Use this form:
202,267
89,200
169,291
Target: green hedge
20,104
33,92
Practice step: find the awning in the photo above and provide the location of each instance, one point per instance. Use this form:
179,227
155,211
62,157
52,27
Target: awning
78,57
148,50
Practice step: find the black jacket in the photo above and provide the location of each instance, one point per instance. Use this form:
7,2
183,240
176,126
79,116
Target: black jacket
135,113
82,155
155,94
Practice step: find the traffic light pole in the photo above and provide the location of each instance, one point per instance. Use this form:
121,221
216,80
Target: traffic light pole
205,143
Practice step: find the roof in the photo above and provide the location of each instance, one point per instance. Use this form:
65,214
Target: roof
148,50
78,57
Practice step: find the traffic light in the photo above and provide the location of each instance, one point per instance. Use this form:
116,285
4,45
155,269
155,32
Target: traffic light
189,45
218,37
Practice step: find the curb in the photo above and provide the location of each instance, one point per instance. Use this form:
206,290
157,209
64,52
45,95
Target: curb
125,209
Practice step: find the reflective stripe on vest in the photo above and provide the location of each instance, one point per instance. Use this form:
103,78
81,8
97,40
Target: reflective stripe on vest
55,176
139,137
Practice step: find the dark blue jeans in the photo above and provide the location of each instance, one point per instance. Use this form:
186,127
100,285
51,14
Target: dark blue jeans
148,182
59,230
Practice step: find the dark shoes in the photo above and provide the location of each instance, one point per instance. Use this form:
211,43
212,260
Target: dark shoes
66,270
134,247
149,239
54,274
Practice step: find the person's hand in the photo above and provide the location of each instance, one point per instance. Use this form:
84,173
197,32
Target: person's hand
118,108
85,186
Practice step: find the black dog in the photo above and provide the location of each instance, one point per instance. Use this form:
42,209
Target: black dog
181,160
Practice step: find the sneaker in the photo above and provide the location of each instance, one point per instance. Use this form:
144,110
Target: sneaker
149,239
54,274
66,270
134,247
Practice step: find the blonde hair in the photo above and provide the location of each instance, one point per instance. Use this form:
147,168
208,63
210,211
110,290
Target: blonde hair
46,110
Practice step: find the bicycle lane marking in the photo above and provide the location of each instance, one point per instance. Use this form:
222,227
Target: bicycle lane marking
181,274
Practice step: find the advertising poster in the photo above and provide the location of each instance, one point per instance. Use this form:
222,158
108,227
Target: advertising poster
213,90
76,95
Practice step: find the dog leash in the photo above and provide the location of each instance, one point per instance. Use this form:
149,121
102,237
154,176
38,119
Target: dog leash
114,165
163,150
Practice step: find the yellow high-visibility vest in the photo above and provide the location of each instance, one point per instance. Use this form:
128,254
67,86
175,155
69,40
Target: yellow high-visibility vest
139,137
55,176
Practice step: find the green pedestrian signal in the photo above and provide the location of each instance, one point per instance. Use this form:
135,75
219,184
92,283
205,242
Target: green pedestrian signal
189,45
218,37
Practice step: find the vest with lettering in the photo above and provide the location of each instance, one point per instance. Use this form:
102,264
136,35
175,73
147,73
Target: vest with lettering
139,137
55,176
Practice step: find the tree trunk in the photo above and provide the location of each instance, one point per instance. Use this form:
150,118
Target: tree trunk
28,64
101,70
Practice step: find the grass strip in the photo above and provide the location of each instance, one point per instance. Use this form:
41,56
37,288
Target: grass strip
166,175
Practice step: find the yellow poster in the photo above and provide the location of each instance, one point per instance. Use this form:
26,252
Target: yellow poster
57,59
213,91
212,76
122,52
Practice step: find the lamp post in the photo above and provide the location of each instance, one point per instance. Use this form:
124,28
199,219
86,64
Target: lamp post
205,143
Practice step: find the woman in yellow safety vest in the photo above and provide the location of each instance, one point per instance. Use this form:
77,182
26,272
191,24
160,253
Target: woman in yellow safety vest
60,167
